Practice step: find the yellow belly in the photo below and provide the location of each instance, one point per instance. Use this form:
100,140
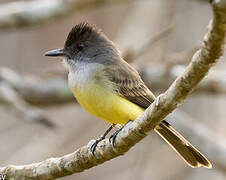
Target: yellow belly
107,105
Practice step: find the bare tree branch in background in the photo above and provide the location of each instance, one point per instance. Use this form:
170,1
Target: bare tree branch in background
35,90
30,113
29,13
82,158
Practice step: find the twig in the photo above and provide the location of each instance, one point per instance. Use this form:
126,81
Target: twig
82,158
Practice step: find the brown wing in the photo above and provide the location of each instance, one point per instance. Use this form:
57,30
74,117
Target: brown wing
129,84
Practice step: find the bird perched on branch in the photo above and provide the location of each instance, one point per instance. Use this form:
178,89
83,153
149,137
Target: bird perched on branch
109,88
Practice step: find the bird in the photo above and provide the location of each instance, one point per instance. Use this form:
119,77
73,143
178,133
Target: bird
109,88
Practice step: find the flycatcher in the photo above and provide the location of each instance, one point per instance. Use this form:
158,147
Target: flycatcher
109,88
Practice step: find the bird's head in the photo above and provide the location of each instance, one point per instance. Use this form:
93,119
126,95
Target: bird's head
86,43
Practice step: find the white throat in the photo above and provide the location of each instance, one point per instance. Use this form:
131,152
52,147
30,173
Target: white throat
81,73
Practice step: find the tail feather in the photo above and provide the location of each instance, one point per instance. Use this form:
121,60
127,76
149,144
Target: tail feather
186,151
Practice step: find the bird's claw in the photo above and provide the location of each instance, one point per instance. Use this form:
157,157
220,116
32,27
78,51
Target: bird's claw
94,145
113,137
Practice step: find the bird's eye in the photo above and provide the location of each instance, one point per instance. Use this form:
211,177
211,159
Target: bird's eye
80,46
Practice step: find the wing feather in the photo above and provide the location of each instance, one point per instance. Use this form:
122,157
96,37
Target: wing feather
128,84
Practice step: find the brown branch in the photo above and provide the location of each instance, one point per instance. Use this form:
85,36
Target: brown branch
82,158
29,13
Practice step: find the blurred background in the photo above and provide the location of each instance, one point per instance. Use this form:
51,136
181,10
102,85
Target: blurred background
39,118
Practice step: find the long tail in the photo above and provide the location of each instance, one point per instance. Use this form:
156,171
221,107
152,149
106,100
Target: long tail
186,151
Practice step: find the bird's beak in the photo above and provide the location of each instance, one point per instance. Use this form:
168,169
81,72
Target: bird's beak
55,52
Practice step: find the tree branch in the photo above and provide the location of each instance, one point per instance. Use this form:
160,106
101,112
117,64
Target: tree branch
30,113
34,90
82,158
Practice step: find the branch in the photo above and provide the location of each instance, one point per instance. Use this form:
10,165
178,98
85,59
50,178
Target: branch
29,13
30,113
82,158
35,90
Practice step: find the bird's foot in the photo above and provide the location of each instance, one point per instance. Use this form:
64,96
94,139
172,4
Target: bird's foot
113,136
94,145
